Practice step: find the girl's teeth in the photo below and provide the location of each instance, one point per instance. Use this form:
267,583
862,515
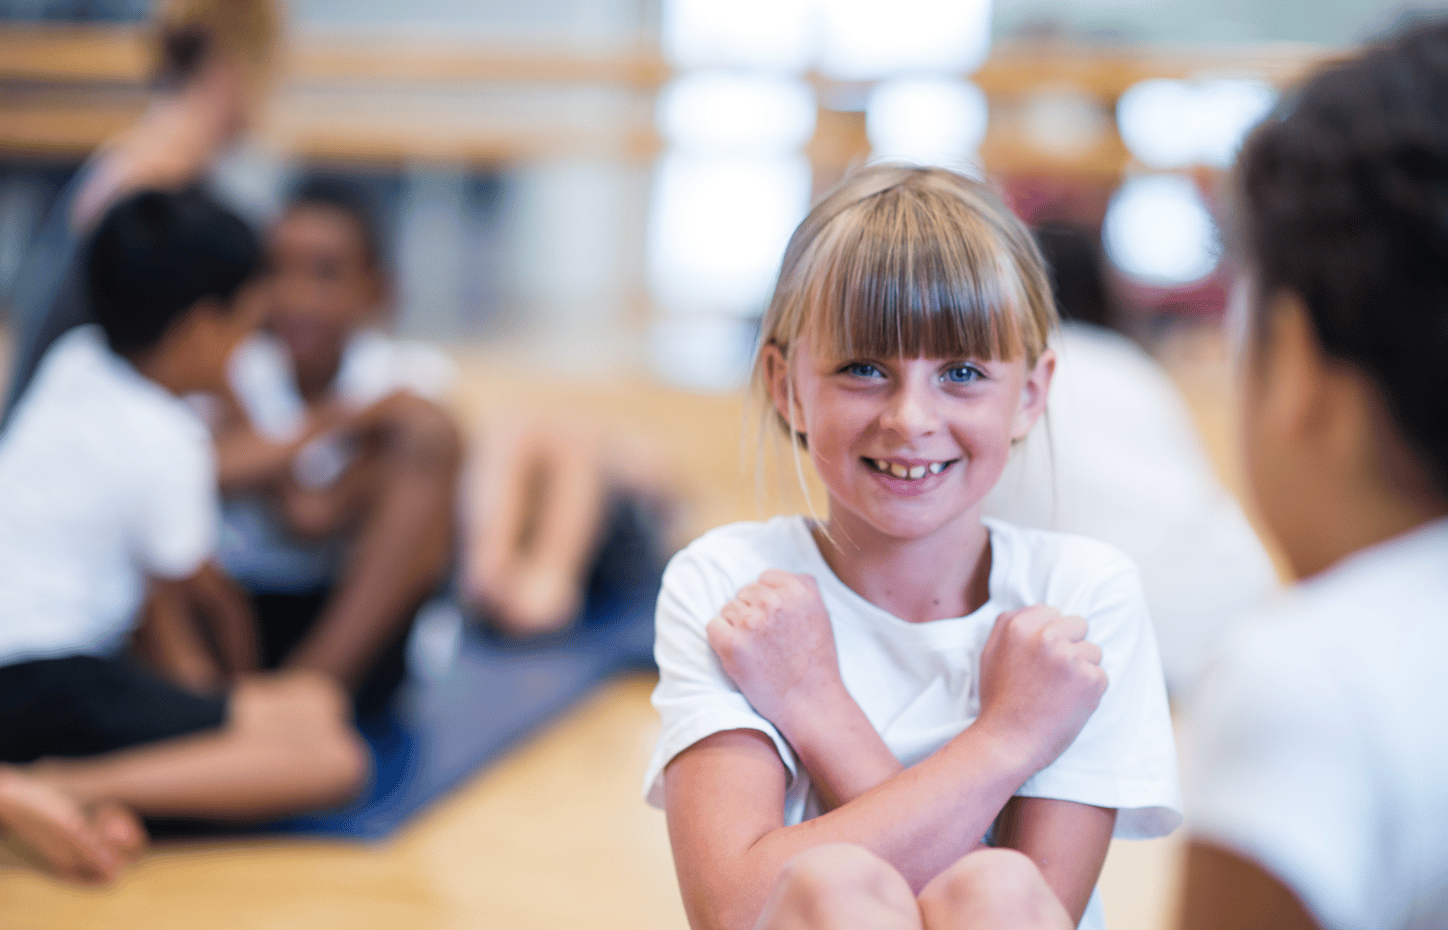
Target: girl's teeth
911,472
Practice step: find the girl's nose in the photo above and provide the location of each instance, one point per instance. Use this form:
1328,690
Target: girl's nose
911,411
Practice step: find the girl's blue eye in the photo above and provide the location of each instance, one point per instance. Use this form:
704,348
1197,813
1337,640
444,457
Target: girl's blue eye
861,370
963,374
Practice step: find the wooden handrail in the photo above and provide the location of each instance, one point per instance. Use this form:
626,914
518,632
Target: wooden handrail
82,83
115,54
118,55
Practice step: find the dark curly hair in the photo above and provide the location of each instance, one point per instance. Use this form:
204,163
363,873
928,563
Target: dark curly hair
156,254
1343,200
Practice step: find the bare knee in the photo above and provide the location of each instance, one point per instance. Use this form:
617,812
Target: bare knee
992,888
838,885
296,693
343,762
305,719
422,433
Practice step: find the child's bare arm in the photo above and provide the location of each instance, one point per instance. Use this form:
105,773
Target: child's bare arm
198,631
171,642
725,794
225,611
725,800
775,641
1067,841
246,460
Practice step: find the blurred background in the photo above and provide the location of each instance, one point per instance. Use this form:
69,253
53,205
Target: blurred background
586,202
612,181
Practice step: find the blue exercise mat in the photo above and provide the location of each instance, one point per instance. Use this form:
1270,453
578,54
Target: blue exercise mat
490,695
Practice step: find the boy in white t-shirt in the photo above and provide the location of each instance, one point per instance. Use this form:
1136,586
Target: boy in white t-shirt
108,503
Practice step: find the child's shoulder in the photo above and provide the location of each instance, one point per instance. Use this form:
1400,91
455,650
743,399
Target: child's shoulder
1052,565
745,549
83,385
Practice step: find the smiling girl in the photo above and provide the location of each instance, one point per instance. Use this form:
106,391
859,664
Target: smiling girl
904,675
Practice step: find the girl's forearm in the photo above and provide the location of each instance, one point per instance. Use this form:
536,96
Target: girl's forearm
840,749
923,818
920,820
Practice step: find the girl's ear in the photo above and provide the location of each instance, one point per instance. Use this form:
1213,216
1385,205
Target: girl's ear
786,401
1033,394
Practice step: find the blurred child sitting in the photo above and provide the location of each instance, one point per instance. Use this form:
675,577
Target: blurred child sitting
1119,459
338,464
107,500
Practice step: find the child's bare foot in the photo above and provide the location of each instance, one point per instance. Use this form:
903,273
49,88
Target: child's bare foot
119,826
483,581
90,845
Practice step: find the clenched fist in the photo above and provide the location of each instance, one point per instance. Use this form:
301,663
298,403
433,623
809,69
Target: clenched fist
774,639
1040,680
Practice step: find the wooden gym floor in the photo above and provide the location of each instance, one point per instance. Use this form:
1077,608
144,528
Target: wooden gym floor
555,835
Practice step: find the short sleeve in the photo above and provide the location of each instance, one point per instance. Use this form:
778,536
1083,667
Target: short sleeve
261,381
176,506
1125,755
695,698
1281,776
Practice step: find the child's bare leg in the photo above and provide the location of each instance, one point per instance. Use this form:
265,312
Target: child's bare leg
286,747
840,887
402,547
80,843
548,590
992,889
498,506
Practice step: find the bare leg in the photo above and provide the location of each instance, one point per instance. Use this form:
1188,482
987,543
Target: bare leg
548,591
498,510
992,889
540,496
402,548
286,747
79,843
840,887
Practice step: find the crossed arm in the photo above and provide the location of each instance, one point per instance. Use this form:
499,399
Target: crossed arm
198,631
725,794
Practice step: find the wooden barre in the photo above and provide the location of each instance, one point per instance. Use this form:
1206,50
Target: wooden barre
91,54
119,55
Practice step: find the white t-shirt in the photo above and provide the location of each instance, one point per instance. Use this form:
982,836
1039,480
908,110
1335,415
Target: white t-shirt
105,479
1117,458
918,683
1320,744
256,548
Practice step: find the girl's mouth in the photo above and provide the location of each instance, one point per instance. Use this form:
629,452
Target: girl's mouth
908,471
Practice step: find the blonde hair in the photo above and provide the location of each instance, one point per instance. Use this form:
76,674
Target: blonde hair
906,261
185,33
